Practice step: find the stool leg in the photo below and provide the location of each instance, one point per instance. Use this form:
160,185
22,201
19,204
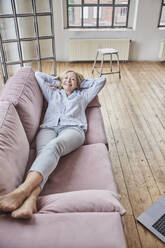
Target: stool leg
111,61
101,66
118,64
95,62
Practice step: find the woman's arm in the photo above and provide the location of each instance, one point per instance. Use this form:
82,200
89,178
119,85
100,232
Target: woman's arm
92,87
45,81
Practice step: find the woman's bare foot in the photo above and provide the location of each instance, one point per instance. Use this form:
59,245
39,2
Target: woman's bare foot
29,207
13,200
26,210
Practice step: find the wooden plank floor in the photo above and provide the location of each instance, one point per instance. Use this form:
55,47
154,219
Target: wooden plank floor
133,110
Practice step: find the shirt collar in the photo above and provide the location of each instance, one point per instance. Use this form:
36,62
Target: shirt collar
71,95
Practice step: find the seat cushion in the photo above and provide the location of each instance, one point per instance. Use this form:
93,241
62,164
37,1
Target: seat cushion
14,148
86,168
23,91
81,201
96,131
66,230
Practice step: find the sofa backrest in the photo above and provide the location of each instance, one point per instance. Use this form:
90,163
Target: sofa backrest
23,91
94,103
14,148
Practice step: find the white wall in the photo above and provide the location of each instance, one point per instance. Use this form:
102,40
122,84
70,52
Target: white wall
145,35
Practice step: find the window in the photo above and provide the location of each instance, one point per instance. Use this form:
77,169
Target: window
162,15
24,36
97,13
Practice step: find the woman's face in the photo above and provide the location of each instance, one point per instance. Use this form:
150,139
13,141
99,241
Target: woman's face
69,82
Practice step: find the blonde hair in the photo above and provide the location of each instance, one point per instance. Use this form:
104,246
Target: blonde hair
79,77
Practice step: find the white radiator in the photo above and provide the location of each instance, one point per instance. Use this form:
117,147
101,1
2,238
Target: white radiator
162,50
85,49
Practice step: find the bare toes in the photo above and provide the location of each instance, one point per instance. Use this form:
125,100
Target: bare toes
22,214
6,207
11,201
26,210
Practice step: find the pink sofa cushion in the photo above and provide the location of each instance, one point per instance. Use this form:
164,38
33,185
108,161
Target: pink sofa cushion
65,230
81,201
23,91
14,148
86,168
96,131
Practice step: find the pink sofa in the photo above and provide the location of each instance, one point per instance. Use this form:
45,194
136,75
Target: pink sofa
79,206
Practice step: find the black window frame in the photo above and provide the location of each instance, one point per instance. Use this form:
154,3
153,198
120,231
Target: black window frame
162,5
4,62
98,5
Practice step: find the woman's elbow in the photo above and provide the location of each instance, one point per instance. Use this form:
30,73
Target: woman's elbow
103,81
37,74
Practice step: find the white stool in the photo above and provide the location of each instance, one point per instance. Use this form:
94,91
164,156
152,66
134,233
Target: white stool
106,51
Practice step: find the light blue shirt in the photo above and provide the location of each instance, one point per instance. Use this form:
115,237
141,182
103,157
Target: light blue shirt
67,110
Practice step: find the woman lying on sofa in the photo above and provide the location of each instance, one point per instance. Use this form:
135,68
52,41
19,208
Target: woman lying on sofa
62,131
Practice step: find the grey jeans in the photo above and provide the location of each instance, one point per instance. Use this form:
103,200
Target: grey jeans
51,144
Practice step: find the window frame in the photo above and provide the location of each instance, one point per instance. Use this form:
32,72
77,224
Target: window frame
19,40
97,5
161,9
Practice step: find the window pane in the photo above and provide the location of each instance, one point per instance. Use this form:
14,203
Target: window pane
162,20
5,7
74,16
89,16
74,1
7,27
26,27
90,1
23,6
46,48
12,69
106,1
121,1
120,16
105,16
11,51
28,49
44,25
42,6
